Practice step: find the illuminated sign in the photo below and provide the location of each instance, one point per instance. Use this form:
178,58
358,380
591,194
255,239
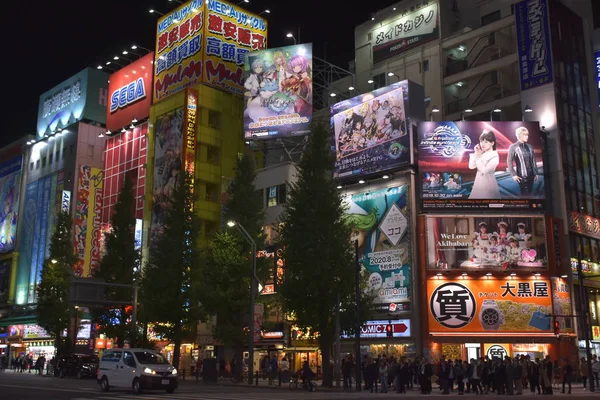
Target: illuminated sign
10,189
480,165
189,143
272,335
584,224
128,94
84,95
597,57
533,40
65,205
378,329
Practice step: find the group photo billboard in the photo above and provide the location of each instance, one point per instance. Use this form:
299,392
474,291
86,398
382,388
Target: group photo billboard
10,187
380,222
371,132
168,163
480,165
278,92
483,242
489,305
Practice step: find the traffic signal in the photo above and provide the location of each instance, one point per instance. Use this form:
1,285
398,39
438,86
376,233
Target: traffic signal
389,330
556,327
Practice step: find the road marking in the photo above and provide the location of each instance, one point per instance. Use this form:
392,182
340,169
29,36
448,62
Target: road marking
47,388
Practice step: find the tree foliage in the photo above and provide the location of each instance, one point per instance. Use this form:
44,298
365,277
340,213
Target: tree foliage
228,267
318,253
174,269
119,264
53,307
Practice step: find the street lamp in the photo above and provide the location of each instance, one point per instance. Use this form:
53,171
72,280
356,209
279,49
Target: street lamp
462,114
494,110
253,281
153,11
527,109
433,110
290,35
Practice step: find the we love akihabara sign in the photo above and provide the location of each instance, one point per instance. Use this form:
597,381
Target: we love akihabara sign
480,165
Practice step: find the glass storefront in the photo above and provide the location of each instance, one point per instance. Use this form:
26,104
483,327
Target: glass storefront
467,351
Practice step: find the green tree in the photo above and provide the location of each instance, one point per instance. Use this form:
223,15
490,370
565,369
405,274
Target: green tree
228,268
318,253
173,270
53,307
119,265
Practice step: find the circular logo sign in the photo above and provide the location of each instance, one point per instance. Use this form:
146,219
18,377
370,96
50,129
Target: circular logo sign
496,351
452,305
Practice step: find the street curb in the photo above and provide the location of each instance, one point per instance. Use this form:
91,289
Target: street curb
247,386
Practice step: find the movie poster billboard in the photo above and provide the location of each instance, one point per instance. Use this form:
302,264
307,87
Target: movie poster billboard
476,165
10,185
168,163
561,303
489,305
484,242
380,221
278,92
371,132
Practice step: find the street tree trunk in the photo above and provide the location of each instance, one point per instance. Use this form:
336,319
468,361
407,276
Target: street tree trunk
239,362
177,345
326,344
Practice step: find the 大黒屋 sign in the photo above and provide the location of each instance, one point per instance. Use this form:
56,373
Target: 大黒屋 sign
533,42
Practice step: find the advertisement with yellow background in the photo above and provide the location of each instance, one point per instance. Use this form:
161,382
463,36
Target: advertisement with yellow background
490,305
561,302
93,236
205,41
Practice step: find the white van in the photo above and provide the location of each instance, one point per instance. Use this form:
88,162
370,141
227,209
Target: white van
138,369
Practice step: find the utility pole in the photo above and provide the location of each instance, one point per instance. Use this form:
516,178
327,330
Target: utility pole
357,320
337,341
585,305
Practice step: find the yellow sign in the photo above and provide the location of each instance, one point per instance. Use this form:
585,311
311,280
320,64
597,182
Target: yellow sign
93,237
595,332
205,41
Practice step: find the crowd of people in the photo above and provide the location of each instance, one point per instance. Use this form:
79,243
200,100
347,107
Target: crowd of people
23,363
509,376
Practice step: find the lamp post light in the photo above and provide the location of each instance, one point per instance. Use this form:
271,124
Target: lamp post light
433,110
253,285
527,109
494,110
466,111
290,35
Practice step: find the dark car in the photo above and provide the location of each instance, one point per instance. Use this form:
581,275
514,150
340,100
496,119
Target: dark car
79,365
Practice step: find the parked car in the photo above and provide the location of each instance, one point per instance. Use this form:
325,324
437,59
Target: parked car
139,369
78,365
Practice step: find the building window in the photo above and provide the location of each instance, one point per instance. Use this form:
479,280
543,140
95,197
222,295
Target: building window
90,151
491,17
214,119
425,65
50,158
43,162
37,164
212,192
31,166
379,81
276,195
213,154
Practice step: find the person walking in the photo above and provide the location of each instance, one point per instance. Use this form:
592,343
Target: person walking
534,376
274,368
383,375
444,375
425,372
583,370
459,375
567,372
596,370
517,378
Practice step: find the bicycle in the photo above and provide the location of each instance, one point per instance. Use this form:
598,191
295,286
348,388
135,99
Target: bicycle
304,385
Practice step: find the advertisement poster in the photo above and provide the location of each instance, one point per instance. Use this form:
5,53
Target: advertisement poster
190,123
482,242
94,223
490,305
413,27
278,92
10,185
371,132
80,223
5,266
34,332
597,58
380,223
130,93
259,310
533,40
561,303
231,32
168,163
480,165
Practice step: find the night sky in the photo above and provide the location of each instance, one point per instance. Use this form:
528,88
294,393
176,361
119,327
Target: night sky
52,41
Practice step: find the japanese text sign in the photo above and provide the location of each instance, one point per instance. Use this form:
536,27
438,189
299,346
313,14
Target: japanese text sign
205,41
189,125
561,301
83,95
490,305
481,165
533,41
412,27
597,58
130,93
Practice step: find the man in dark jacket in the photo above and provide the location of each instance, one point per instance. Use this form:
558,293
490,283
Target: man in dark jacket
567,375
444,375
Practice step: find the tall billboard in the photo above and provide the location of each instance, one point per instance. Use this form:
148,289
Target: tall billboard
533,42
486,243
130,93
480,165
82,96
168,163
10,186
597,60
372,132
205,41
411,26
489,305
380,221
278,92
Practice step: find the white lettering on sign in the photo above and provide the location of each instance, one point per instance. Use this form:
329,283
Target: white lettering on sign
62,99
377,329
127,94
418,21
537,48
66,201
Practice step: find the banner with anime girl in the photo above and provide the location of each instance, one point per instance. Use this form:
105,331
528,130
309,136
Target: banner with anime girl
380,222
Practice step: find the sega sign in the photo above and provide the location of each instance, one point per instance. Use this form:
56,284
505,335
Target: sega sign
128,94
129,90
378,329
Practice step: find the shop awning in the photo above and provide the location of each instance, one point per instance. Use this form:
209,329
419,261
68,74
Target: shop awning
25,320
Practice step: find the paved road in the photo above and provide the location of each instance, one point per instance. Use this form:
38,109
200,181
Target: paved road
29,387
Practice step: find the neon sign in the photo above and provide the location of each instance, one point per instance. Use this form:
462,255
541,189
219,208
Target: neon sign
127,94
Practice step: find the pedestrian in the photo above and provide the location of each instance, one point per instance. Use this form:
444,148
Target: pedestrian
274,368
534,376
444,375
509,383
475,376
459,375
347,372
596,370
425,373
547,375
583,370
567,375
517,378
383,376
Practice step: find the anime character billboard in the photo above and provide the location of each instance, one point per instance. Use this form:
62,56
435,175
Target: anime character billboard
168,164
10,184
371,132
481,165
278,92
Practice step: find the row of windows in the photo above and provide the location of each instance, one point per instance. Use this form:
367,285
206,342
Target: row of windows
52,157
273,195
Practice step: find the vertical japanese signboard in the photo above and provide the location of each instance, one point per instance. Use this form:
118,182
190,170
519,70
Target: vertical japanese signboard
189,148
561,303
533,42
597,60
490,305
205,41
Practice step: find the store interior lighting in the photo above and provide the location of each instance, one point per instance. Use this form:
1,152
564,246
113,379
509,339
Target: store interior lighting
351,88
